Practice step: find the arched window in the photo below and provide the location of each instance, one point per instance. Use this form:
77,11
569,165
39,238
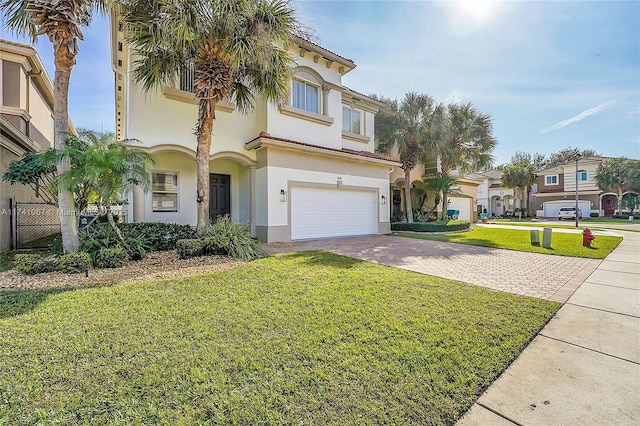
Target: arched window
306,91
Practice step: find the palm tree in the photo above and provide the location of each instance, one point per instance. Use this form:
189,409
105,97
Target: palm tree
409,126
617,173
467,140
520,177
236,48
443,185
62,22
109,167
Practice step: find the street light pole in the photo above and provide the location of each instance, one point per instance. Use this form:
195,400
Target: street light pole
577,211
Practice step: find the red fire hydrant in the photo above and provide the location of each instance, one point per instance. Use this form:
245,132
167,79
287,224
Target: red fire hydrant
587,237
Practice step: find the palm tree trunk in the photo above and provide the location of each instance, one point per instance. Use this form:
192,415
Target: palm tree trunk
205,128
619,199
118,232
66,207
444,205
407,195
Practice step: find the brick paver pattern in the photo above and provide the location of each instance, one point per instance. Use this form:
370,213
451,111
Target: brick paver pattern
530,274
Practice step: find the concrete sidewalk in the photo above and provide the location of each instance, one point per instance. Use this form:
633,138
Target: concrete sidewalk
583,368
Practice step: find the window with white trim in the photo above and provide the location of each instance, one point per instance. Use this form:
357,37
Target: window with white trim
582,176
351,120
306,96
164,191
551,180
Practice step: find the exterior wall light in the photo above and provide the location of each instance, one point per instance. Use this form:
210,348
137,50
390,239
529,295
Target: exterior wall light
283,196
384,199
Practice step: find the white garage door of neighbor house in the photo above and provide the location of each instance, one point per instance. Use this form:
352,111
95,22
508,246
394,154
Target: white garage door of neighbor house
461,204
329,212
551,208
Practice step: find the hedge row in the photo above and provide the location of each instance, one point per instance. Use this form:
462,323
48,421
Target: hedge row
451,225
36,264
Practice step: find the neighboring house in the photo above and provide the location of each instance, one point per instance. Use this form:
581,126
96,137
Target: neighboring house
26,125
557,189
464,200
494,198
304,170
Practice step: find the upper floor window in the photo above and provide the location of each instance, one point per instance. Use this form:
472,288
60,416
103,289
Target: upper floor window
306,96
582,176
551,180
351,120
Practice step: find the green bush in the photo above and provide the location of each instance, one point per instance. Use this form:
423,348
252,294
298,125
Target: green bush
190,248
73,263
34,263
448,226
159,236
113,257
594,214
233,239
141,237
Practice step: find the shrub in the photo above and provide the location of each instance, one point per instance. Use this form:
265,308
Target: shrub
448,226
34,263
594,214
188,248
114,257
159,236
74,262
96,237
233,239
141,237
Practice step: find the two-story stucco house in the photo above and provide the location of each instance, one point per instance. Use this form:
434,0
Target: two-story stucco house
557,189
26,124
306,169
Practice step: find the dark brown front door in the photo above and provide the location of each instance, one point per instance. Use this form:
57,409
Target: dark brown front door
609,206
219,196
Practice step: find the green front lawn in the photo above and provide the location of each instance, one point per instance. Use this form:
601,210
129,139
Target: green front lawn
6,261
562,244
303,338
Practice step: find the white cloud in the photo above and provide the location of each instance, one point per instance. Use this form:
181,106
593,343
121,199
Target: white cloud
576,118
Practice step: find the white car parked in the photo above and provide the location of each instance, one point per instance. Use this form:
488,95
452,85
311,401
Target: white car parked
569,213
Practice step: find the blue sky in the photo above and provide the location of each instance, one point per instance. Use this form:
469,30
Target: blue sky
551,74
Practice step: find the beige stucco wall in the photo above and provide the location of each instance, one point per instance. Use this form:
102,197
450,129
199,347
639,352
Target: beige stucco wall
278,169
141,208
155,119
17,192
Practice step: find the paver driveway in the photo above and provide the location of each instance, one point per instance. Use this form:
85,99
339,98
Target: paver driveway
531,274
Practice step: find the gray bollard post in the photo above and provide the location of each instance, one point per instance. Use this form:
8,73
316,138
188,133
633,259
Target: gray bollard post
535,237
546,237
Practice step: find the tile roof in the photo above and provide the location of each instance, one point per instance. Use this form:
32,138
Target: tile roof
304,40
366,154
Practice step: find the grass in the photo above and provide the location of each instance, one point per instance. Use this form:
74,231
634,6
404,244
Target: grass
587,219
303,338
562,244
6,261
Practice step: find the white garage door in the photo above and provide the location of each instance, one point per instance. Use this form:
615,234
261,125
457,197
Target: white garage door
551,208
462,204
329,212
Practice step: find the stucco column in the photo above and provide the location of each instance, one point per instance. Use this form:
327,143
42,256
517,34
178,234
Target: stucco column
325,100
138,204
252,200
600,209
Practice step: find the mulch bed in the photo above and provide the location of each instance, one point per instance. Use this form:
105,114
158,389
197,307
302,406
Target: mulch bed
156,265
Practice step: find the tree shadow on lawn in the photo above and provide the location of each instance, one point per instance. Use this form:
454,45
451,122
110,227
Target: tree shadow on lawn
18,302
323,258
